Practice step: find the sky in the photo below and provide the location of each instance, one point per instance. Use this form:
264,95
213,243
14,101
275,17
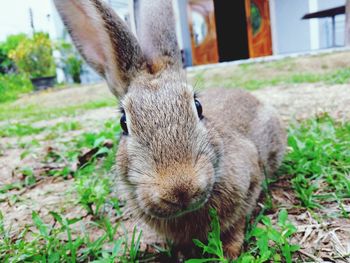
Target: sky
15,18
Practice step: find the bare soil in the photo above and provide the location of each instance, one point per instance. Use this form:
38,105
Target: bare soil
308,100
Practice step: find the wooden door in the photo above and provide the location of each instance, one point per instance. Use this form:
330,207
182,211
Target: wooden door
202,25
259,28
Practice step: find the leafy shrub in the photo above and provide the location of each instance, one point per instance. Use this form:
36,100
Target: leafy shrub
11,86
33,56
74,67
6,63
72,64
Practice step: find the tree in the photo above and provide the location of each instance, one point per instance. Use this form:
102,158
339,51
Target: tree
347,23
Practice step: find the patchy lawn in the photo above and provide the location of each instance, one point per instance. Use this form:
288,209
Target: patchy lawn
57,149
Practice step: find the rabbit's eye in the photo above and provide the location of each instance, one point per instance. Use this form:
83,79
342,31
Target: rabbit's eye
199,108
123,124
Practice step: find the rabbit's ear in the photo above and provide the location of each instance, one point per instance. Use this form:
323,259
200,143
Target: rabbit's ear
157,34
104,40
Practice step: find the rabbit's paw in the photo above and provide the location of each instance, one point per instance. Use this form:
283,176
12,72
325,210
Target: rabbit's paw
232,242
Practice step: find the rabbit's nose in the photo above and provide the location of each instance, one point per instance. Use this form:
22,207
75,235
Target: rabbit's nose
182,197
179,198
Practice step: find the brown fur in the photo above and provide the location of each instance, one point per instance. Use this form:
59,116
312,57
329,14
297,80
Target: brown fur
174,166
157,35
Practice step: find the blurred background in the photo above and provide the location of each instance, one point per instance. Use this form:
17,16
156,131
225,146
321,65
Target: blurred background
208,32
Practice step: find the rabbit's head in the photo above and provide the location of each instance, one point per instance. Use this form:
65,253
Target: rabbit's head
167,157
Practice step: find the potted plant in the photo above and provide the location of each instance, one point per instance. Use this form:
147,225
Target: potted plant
71,62
33,56
74,67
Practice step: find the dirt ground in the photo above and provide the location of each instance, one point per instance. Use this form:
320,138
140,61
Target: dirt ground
319,242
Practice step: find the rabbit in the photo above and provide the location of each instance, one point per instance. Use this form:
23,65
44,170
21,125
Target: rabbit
181,153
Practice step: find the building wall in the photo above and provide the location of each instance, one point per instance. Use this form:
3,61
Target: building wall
183,31
59,32
325,25
291,33
88,75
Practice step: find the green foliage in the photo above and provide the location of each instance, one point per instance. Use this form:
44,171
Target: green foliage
36,112
19,130
29,180
110,131
55,243
12,86
267,243
9,187
318,164
253,76
93,184
93,191
319,160
47,244
58,242
74,67
71,60
67,126
134,248
213,250
270,243
33,56
62,127
11,43
340,76
28,174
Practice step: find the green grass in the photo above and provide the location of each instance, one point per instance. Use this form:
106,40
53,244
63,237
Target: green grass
19,130
317,166
240,80
319,156
266,243
269,242
265,74
319,161
213,251
47,244
317,169
10,111
93,186
339,76
12,86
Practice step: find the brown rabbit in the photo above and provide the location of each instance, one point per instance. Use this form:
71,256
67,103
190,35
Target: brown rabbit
180,154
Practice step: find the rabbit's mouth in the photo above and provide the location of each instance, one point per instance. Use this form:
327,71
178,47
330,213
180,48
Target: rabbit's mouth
191,208
175,211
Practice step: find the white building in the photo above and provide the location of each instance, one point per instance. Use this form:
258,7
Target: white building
209,31
15,17
215,30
